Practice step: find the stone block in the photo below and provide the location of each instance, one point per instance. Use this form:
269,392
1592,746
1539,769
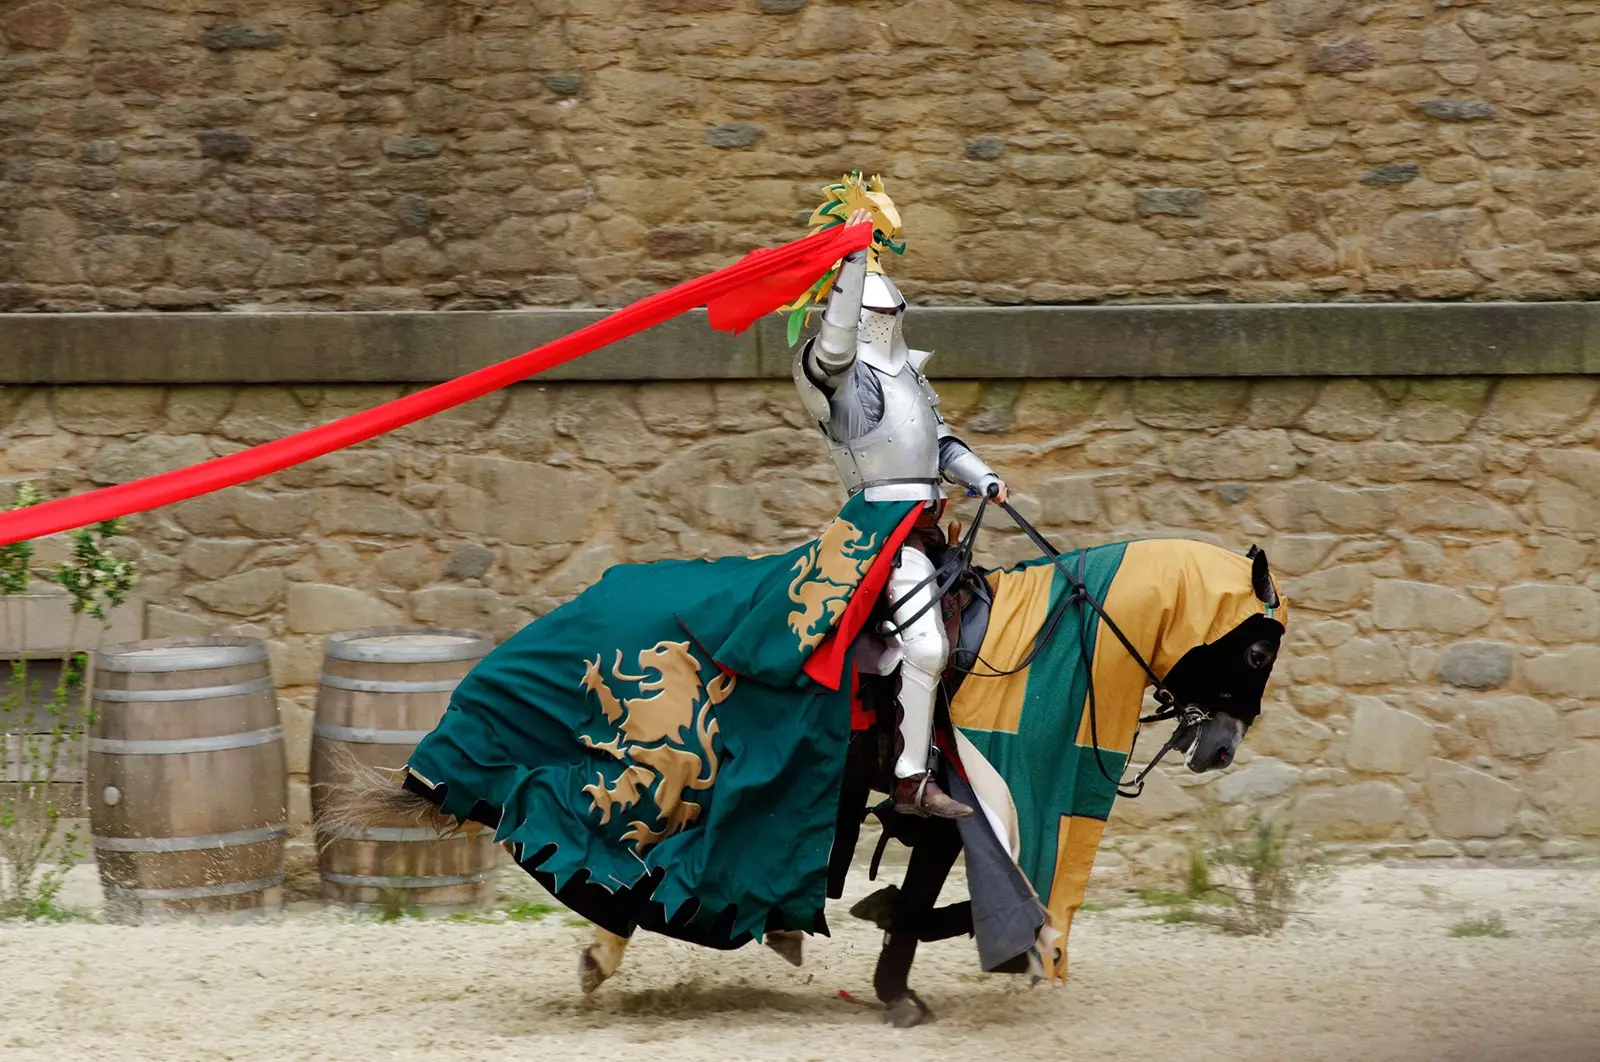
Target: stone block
1071,500
279,515
468,562
1342,57
1330,589
1162,801
214,558
457,606
1392,173
1555,613
149,456
250,593
1368,662
1446,42
318,608
1359,811
1516,728
295,661
1567,787
1525,408
1284,733
1464,802
1239,454
1456,110
413,146
1309,505
1259,780
231,38
40,26
733,135
1182,202
299,805
363,512
1476,665
512,500
1575,673
985,148
1400,605
298,722
122,410
1386,740
224,144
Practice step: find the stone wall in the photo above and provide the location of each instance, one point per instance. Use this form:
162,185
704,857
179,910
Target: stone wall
381,154
1439,693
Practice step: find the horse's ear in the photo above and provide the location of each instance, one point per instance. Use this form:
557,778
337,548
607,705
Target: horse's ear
1261,577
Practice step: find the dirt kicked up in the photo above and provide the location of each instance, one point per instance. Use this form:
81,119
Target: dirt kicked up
1371,972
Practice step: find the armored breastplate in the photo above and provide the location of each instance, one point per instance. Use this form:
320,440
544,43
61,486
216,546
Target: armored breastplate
898,459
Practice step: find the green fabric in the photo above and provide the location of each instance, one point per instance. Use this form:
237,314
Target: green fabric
1047,772
661,723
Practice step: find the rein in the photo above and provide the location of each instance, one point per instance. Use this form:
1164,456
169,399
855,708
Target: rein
1187,715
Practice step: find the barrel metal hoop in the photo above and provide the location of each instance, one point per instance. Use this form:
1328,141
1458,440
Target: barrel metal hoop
347,645
386,881
237,689
190,844
360,735
176,746
387,834
197,892
206,654
339,682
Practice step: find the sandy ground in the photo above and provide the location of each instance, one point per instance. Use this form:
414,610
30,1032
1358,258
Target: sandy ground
1370,973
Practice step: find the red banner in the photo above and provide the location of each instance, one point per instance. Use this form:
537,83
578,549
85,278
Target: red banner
735,297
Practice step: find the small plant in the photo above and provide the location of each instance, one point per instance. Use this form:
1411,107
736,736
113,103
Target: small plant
517,912
1242,881
1263,872
1490,925
33,756
395,904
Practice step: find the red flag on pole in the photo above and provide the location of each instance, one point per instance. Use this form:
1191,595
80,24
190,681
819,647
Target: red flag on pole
735,296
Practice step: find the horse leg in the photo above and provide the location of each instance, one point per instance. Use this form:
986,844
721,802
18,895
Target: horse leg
600,960
930,865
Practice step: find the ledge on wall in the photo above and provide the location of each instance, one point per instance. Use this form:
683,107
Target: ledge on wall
1325,339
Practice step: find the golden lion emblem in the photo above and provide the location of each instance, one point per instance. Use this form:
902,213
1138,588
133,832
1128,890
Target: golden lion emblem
825,577
648,737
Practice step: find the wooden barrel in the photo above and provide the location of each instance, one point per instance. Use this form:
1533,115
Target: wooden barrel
381,691
187,780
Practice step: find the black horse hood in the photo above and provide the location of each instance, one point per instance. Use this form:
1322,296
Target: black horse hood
1230,673
1212,621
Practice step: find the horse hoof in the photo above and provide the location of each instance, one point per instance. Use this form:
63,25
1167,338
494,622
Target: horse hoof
878,908
907,1012
788,944
590,976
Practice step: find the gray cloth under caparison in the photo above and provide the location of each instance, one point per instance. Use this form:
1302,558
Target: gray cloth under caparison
1006,916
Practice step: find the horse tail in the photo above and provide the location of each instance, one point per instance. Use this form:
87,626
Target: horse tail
361,797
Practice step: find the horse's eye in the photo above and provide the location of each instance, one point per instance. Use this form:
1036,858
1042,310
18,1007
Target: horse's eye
1261,655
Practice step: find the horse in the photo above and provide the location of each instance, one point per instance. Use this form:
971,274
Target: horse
1191,621
1198,681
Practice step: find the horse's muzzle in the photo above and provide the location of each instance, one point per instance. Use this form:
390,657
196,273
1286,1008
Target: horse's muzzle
1216,742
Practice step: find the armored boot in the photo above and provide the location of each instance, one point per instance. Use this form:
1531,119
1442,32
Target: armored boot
924,647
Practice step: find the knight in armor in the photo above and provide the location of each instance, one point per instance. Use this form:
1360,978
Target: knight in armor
866,390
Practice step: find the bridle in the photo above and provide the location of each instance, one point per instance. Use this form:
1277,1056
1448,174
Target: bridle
1189,716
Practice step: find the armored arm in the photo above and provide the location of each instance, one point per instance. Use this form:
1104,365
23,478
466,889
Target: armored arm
832,354
960,465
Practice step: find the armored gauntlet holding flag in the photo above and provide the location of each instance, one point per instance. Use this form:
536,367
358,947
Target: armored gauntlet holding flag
866,390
